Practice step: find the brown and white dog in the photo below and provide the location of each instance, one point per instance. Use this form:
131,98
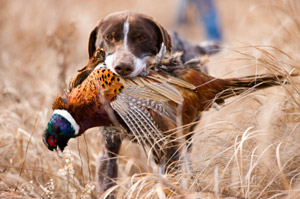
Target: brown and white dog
130,39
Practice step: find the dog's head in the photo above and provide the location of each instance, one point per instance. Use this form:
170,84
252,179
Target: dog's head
129,39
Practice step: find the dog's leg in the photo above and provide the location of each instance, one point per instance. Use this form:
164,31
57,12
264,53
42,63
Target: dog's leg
169,163
107,168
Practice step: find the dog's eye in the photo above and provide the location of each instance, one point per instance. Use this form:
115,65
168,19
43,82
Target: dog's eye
141,38
110,38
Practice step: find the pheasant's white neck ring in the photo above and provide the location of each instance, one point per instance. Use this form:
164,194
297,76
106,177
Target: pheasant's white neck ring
65,114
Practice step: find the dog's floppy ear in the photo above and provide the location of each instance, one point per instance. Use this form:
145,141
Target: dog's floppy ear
165,37
92,41
93,38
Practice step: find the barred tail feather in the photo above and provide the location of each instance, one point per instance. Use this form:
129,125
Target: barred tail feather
237,86
257,81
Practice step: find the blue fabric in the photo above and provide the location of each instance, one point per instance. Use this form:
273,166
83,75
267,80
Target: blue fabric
207,15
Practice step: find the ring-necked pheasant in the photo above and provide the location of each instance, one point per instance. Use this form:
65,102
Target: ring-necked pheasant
147,106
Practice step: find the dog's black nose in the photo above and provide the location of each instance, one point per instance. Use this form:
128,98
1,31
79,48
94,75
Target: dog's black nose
123,69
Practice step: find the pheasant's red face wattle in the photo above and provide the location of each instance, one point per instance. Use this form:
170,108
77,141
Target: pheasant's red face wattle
52,141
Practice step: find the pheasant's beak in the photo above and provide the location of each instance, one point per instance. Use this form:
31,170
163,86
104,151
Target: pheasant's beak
59,152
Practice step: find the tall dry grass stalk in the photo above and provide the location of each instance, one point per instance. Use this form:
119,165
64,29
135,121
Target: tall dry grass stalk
247,148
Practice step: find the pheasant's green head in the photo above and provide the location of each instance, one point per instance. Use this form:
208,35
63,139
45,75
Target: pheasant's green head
60,129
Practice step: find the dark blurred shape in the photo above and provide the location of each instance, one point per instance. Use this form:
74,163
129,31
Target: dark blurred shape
207,15
191,50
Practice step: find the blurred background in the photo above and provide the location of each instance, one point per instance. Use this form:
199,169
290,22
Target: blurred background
248,148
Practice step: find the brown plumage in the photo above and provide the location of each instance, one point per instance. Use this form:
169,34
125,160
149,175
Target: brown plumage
97,58
147,106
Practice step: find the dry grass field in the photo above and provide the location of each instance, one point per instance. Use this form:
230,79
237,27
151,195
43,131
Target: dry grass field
247,148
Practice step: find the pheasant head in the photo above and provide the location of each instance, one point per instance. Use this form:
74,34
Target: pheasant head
86,106
59,130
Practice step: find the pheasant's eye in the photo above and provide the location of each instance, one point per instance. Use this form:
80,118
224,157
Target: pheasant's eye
110,38
52,140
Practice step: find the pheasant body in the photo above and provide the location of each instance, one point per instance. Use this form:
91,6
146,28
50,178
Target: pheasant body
147,106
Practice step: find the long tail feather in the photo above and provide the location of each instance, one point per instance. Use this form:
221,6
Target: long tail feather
237,86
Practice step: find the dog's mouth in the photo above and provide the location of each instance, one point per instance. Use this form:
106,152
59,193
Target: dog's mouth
128,65
140,67
143,72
